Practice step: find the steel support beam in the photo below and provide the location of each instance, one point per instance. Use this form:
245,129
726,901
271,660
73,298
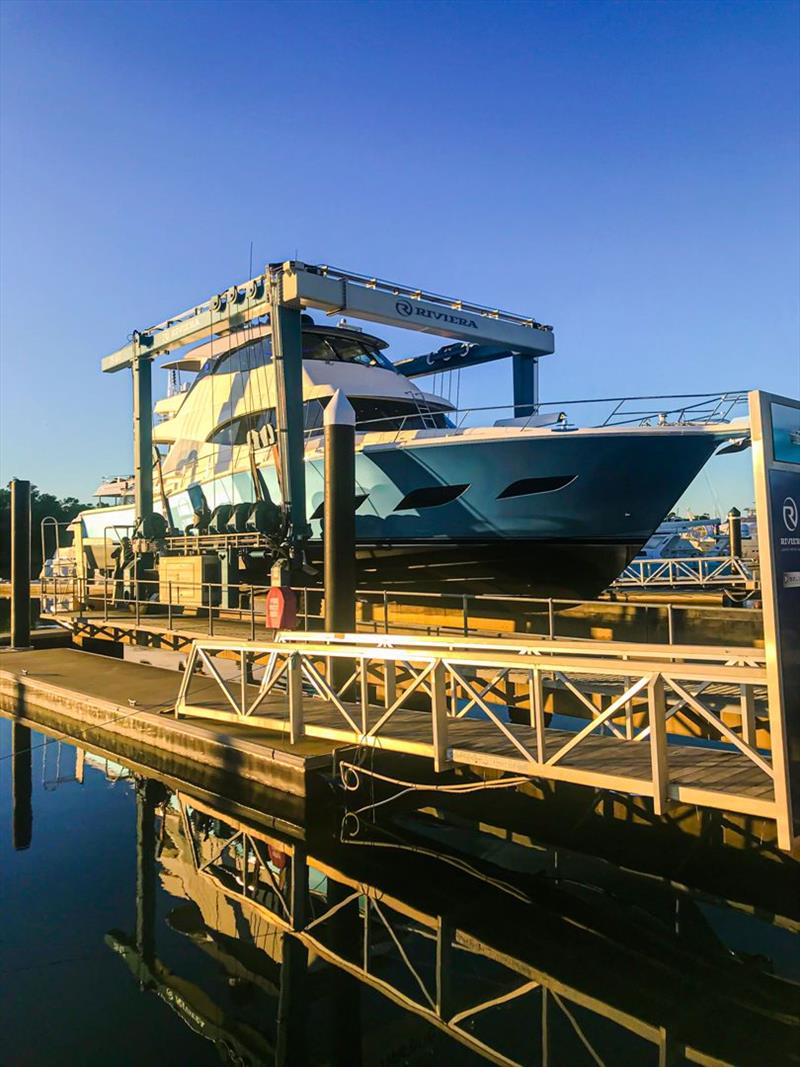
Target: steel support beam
526,384
287,354
333,292
142,374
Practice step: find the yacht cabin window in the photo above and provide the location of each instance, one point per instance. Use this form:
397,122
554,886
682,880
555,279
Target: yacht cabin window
373,414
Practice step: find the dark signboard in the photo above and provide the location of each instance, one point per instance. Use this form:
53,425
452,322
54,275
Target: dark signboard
784,493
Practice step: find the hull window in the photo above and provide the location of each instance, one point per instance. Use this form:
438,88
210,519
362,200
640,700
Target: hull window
319,510
431,496
529,486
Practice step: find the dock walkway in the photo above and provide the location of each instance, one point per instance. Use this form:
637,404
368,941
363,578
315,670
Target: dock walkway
130,700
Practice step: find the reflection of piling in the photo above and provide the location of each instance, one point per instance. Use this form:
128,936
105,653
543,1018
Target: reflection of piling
146,798
291,1037
21,786
339,527
346,940
20,564
735,532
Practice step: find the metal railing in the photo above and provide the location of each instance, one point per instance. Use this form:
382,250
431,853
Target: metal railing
701,571
192,605
689,409
373,707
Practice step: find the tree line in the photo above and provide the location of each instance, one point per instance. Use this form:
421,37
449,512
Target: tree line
42,506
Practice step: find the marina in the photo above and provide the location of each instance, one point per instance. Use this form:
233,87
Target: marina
307,758
399,533
296,692
475,701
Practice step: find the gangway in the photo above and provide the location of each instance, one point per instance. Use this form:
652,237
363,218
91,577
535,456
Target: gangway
687,572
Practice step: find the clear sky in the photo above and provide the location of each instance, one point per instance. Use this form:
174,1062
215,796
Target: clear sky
625,171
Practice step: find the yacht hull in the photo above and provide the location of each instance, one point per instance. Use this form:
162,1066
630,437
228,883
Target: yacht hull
495,511
512,567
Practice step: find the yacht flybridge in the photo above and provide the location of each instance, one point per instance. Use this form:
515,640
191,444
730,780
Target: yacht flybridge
527,503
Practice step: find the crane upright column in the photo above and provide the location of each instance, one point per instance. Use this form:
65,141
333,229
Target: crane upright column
142,372
287,353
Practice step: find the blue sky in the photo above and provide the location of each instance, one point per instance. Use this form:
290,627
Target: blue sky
625,171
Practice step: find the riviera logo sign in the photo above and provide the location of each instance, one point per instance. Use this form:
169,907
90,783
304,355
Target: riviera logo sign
407,310
790,515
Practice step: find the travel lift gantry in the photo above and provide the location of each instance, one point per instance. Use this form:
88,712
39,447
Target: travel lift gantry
480,334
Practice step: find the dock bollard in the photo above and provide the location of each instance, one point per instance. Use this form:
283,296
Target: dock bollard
735,533
20,564
339,526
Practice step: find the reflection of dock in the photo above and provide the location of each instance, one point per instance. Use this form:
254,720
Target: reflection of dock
508,967
576,961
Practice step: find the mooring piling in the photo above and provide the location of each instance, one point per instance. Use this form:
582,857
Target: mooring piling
20,564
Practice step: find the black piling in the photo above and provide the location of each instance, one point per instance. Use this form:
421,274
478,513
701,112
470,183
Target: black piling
339,526
735,532
20,564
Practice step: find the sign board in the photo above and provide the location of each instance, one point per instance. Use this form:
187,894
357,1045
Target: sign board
775,427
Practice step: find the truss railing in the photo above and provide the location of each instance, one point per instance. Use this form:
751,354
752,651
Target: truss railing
701,571
417,700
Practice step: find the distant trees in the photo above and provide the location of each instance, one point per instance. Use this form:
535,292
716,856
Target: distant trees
42,505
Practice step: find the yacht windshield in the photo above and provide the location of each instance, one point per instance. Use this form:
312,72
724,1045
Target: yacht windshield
329,347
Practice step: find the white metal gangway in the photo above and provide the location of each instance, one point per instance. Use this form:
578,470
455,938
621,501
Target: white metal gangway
430,697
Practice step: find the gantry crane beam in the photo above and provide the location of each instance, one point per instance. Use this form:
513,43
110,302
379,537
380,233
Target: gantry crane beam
338,292
283,291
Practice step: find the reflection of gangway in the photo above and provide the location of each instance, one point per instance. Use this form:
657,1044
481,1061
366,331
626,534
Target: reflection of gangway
462,967
53,777
414,698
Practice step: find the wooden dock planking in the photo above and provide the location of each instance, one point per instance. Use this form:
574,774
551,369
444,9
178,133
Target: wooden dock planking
94,694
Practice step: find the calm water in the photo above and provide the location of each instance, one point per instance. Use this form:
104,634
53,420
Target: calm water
148,926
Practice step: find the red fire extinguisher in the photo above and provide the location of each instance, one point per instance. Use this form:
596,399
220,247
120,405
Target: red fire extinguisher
281,608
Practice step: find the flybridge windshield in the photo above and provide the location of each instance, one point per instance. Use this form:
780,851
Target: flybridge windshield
323,346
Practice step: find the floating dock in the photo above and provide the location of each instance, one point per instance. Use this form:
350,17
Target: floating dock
90,697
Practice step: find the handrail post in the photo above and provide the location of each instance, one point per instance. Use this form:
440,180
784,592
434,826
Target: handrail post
169,604
385,611
364,692
295,693
439,716
210,611
253,613
659,762
747,705
536,696
389,682
465,614
551,619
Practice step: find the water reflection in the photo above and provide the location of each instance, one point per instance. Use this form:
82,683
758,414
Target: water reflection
402,942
